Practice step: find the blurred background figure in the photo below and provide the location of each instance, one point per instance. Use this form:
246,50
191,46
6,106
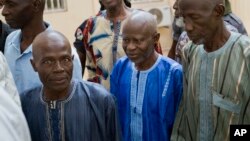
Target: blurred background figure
232,19
177,27
4,31
99,41
180,37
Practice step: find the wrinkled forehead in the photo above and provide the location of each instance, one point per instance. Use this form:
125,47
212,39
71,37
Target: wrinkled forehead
195,5
56,54
138,30
133,25
56,46
139,26
51,49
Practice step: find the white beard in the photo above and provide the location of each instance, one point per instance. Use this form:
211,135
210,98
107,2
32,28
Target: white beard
179,22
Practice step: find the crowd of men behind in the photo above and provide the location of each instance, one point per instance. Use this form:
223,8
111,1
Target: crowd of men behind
132,92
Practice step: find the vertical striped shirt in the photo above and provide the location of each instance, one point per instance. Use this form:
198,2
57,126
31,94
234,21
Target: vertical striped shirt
216,90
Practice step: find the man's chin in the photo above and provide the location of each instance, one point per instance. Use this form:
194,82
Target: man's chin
13,26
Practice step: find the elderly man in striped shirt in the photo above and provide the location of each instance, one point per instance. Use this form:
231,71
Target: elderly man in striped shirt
216,66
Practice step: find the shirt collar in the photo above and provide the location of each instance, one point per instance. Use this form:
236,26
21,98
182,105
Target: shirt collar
17,37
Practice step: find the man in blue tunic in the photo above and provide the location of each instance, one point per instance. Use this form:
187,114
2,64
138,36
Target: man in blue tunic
64,109
148,86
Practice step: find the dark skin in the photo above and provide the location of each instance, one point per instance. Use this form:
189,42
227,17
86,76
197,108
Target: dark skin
82,57
116,11
176,8
204,22
54,63
221,40
171,53
139,37
1,4
26,15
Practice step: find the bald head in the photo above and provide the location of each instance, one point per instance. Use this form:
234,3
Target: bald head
53,61
208,3
142,20
47,40
203,19
140,36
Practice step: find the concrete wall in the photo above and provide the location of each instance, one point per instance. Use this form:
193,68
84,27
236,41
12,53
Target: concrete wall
240,8
67,22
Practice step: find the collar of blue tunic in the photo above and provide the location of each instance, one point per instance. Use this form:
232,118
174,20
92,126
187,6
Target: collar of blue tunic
151,68
72,91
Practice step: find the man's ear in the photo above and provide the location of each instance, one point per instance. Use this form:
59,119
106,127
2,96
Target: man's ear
156,37
37,5
219,10
72,57
33,65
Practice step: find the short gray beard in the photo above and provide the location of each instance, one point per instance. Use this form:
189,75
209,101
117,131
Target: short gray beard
179,22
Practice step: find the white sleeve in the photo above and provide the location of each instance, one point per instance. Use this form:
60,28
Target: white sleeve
13,125
7,81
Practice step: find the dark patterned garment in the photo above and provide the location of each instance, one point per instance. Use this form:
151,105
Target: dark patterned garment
4,32
216,91
88,114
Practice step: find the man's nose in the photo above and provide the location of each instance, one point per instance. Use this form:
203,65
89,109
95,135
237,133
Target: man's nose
188,26
131,45
175,6
58,67
5,11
